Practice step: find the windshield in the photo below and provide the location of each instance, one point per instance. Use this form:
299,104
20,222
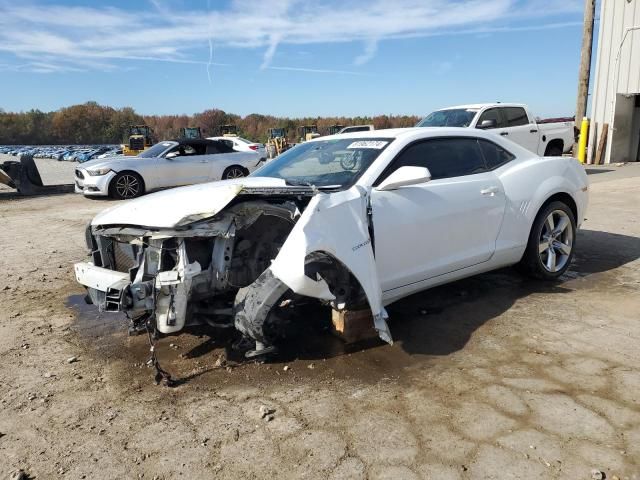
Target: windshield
327,163
156,150
459,117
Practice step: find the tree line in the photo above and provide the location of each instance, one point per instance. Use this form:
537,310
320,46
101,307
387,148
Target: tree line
91,123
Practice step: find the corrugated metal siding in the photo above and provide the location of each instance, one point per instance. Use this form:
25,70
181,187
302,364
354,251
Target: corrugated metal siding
615,17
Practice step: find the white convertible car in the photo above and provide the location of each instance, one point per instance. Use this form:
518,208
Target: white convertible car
166,164
355,221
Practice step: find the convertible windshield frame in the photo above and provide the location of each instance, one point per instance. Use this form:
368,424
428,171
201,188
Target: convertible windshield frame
156,148
332,163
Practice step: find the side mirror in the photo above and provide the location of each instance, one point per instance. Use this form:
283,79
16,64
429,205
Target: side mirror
487,124
405,176
171,155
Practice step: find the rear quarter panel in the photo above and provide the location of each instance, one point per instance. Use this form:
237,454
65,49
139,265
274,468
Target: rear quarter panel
528,184
561,130
221,161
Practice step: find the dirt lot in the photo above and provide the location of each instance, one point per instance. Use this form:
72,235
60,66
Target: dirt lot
491,377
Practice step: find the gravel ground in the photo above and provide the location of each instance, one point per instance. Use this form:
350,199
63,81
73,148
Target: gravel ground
493,377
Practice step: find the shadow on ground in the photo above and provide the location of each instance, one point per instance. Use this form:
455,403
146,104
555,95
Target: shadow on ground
435,322
595,171
46,191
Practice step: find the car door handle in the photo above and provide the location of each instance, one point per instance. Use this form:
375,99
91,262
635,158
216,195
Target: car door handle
504,134
533,131
204,161
490,191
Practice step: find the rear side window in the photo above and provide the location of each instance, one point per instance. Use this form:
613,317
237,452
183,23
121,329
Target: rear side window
492,114
218,147
212,148
444,157
494,155
516,116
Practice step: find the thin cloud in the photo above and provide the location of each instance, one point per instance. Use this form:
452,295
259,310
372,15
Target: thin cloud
271,51
370,50
80,36
317,70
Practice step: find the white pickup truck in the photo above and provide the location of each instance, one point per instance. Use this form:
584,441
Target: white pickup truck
512,121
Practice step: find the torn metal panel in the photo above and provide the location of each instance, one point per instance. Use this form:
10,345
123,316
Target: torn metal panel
173,289
336,224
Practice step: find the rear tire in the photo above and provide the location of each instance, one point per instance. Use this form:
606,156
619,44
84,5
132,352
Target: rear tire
126,185
234,171
551,243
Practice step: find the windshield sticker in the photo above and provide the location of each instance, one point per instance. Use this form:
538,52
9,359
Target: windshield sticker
375,144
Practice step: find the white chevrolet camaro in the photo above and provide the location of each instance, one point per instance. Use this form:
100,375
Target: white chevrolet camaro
167,164
355,221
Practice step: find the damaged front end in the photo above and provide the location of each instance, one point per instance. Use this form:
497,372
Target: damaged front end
235,268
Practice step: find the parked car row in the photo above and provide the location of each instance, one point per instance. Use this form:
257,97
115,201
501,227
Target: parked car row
70,153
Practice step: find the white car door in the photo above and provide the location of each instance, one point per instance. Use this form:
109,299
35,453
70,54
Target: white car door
520,129
440,226
185,164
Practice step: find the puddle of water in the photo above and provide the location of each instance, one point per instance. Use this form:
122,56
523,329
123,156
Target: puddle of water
92,323
427,327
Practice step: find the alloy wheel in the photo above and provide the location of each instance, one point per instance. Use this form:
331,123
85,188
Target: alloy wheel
127,186
556,241
234,173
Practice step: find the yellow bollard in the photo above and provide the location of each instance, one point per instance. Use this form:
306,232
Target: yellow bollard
582,144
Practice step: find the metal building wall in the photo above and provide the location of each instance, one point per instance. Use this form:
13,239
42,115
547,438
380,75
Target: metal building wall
612,80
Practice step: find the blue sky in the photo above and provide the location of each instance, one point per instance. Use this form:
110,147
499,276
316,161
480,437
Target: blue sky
290,57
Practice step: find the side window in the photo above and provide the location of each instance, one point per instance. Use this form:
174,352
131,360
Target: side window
444,157
212,148
516,116
226,146
492,114
182,150
494,155
198,148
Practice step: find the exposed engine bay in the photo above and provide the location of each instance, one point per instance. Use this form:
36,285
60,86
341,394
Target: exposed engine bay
244,267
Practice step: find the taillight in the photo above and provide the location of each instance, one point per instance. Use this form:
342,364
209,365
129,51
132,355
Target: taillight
253,147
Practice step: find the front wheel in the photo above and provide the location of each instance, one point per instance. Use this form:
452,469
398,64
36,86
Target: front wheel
551,242
126,185
234,171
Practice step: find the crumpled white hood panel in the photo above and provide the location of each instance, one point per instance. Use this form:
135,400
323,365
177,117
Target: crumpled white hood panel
178,206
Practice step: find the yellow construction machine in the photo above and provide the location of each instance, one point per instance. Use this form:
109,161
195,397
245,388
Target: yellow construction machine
140,137
277,142
229,130
308,132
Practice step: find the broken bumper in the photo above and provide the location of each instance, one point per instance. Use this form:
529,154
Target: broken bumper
104,286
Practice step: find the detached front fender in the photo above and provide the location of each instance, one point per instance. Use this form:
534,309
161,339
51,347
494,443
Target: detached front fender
336,224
